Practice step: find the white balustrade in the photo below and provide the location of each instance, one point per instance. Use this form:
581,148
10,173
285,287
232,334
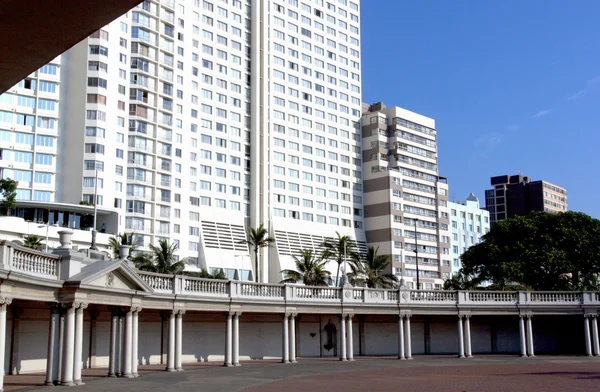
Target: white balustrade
555,297
433,296
320,293
358,294
34,262
493,296
158,282
205,286
251,289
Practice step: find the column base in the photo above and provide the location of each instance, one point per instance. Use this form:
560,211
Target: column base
531,355
402,358
237,364
228,364
350,359
461,356
127,375
68,384
469,356
409,358
111,375
523,355
294,361
179,369
79,382
135,375
343,359
170,370
285,361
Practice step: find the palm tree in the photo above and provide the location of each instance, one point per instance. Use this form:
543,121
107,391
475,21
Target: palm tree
258,238
121,239
309,269
33,241
338,248
461,281
372,271
161,259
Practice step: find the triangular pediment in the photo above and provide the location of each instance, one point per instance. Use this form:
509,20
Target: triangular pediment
110,275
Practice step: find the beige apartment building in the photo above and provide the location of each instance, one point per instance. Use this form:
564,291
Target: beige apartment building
405,199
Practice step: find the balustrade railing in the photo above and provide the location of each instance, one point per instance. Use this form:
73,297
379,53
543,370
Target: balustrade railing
14,257
34,263
493,296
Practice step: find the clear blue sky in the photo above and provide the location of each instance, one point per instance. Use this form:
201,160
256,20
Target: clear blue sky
514,86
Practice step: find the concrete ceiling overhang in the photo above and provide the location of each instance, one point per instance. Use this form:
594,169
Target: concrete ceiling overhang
33,32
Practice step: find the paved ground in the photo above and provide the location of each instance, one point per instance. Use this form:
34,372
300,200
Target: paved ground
432,374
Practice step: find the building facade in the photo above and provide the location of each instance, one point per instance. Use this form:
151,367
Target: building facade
468,223
517,196
197,119
406,201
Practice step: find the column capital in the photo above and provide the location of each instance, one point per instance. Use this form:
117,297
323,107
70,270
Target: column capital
350,315
80,305
136,309
407,315
238,313
178,312
5,301
526,315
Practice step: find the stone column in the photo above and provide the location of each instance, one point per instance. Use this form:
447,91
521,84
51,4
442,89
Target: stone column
178,339
285,340
228,340
120,341
350,339
235,354
343,344
293,338
401,337
468,352
596,345
407,339
134,342
78,352
171,344
461,341
14,341
4,302
127,343
93,338
522,337
69,347
61,344
588,340
530,337
51,365
112,355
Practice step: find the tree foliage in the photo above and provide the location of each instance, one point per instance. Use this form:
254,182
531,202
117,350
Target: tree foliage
258,238
161,259
33,241
462,281
310,269
8,190
335,249
543,251
87,220
373,271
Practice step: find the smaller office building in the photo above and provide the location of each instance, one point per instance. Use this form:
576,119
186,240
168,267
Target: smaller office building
468,223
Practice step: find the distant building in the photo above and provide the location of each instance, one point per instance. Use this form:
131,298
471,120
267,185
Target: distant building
517,196
468,223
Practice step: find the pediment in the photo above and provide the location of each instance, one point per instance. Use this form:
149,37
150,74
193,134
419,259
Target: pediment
111,275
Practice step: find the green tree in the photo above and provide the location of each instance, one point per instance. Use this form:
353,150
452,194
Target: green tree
87,220
310,269
335,249
258,238
373,271
161,259
542,250
8,190
122,239
461,281
33,241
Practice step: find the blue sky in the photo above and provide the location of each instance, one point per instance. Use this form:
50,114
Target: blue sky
514,86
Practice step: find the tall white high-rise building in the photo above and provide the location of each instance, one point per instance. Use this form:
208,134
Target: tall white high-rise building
200,118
